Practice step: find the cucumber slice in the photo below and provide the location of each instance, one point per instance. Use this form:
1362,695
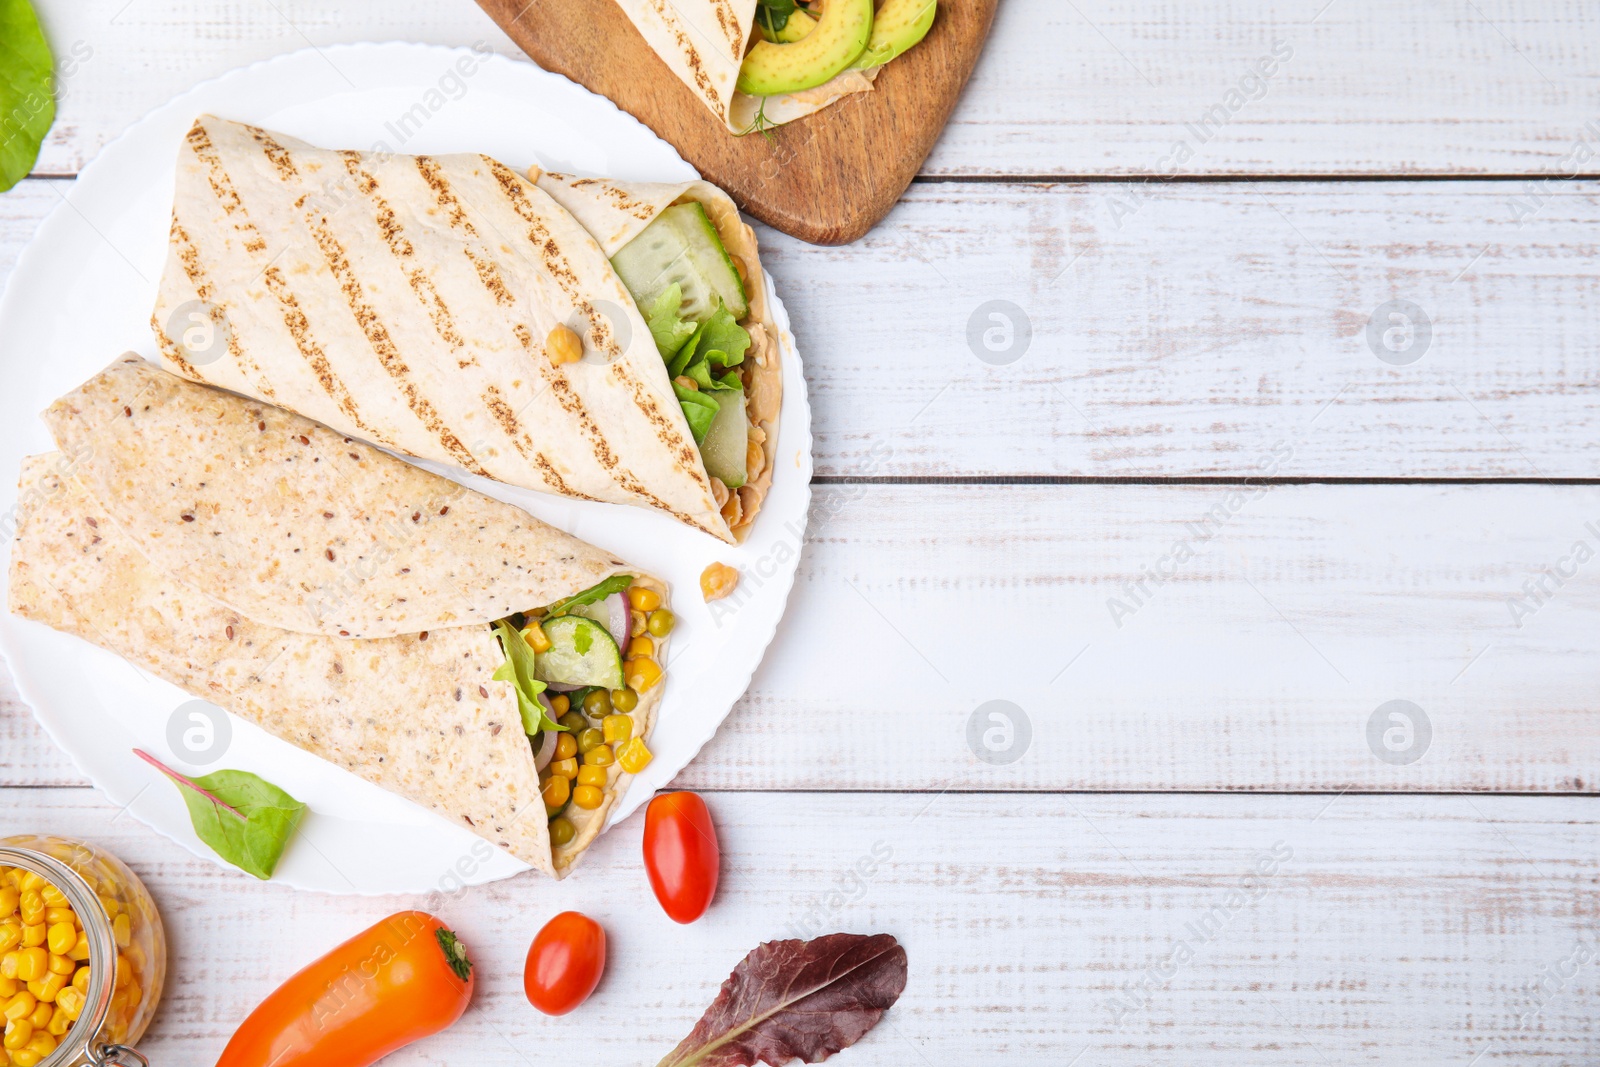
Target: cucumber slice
727,442
682,246
581,653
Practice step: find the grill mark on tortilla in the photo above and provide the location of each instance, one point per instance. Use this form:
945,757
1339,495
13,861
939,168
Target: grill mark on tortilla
489,275
383,345
688,456
562,390
222,188
691,56
394,235
730,27
620,199
169,349
550,255
189,256
443,195
512,427
275,152
299,328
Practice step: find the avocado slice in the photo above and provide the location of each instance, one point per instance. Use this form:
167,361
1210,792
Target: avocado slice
841,34
798,26
898,25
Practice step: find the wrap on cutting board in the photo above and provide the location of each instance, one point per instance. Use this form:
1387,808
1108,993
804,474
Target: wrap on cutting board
337,597
704,43
418,303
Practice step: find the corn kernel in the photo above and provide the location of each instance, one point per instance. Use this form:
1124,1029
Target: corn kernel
61,937
110,904
20,1006
617,728
642,599
8,988
70,1001
561,703
555,791
717,581
80,947
124,972
80,980
10,963
53,897
641,646
18,1033
47,988
634,756
588,797
34,935
60,1022
53,915
14,877
41,1015
536,638
62,965
42,1043
31,907
566,746
122,929
561,345
10,936
595,776
565,768
32,963
599,756
32,882
9,897
24,1057
642,674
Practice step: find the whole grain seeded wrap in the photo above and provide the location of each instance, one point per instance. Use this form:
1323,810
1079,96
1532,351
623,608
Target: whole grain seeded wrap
330,593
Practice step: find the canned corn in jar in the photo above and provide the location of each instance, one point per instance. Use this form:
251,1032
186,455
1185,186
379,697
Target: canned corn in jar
82,955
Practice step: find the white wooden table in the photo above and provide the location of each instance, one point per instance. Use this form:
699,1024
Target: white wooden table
1195,348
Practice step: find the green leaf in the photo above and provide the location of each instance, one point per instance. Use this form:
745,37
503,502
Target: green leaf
774,14
699,409
666,326
243,817
592,595
27,91
518,670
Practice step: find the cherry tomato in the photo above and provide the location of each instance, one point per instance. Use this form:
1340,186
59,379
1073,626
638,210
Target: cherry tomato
564,963
681,854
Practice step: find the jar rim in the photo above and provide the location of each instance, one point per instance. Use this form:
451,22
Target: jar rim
102,946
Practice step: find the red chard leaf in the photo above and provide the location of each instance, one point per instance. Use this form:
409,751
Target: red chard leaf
797,1000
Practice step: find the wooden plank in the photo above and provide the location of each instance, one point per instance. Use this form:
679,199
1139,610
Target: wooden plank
1192,336
1258,665
1386,930
1092,87
827,178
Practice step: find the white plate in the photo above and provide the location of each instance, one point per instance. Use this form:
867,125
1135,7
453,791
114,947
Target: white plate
81,294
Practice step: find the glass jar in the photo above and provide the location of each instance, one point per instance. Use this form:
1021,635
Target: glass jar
120,923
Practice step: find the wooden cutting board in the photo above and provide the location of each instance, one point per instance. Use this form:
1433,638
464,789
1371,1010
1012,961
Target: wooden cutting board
827,178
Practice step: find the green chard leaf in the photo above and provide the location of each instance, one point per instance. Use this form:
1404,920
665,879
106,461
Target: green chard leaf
518,670
699,408
245,819
666,326
27,90
774,14
592,595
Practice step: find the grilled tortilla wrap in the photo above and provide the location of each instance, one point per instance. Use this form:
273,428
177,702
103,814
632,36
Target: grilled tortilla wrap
704,43
408,301
334,595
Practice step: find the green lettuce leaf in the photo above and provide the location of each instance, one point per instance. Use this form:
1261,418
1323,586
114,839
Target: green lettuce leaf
243,817
666,326
592,595
27,92
699,408
518,670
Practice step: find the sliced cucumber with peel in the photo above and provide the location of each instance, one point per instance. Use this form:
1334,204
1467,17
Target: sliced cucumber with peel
581,652
727,442
681,245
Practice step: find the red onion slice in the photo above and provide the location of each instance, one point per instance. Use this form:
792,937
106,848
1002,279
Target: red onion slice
621,622
547,747
562,687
